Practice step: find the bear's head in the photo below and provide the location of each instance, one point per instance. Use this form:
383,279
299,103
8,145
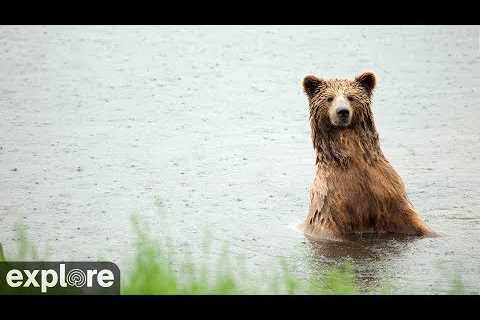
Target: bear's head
341,118
337,104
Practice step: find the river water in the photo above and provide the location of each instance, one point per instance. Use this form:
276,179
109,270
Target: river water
206,128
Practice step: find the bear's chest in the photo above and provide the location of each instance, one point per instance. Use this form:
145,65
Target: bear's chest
356,191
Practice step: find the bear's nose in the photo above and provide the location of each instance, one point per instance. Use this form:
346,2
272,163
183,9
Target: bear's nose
343,112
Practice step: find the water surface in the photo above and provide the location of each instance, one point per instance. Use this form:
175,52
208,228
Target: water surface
207,128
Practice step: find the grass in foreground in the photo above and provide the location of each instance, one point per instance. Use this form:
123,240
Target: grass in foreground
157,270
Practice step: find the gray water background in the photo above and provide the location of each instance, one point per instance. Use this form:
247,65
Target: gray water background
207,127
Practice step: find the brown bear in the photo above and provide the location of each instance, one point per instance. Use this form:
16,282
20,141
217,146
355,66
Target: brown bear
355,191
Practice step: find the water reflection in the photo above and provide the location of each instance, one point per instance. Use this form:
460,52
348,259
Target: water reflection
369,257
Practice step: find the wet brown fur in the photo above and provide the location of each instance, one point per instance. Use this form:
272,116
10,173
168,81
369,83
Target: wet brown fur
356,190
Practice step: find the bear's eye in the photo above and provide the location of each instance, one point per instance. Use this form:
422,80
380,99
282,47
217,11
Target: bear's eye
330,99
350,98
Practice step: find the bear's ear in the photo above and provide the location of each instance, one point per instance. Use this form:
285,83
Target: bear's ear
368,80
310,84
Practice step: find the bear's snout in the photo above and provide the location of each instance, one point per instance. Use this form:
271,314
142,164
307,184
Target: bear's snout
343,113
340,112
343,116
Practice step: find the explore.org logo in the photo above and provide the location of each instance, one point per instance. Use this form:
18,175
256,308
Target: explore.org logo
59,278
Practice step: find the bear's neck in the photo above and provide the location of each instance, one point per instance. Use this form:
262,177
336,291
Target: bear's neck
346,146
